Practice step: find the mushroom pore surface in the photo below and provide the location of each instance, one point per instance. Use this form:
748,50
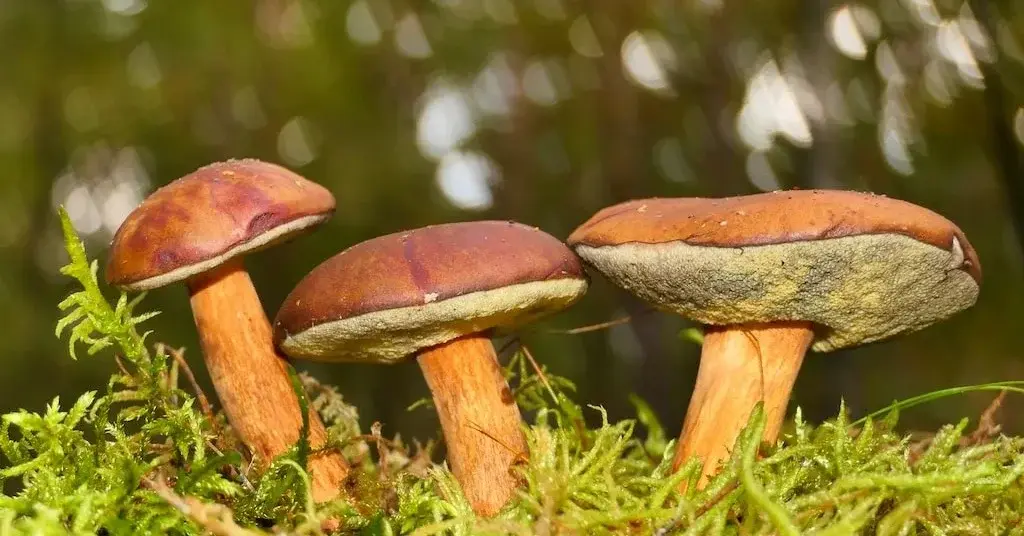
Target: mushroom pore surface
855,289
393,334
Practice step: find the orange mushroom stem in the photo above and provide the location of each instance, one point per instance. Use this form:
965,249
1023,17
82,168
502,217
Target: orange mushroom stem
484,439
739,367
251,380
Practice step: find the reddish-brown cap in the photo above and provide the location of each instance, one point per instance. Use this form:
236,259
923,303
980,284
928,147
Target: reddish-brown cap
216,213
861,266
386,298
770,218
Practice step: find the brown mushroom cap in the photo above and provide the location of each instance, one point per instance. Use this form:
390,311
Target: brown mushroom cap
861,267
389,297
214,214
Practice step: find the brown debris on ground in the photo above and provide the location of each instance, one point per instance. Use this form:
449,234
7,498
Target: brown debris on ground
988,428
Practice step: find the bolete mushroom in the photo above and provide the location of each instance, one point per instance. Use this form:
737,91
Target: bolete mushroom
772,274
437,293
197,229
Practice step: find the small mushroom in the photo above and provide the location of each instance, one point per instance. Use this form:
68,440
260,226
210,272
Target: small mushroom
438,293
791,270
197,229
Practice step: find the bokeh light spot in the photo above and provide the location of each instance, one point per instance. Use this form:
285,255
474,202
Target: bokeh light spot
583,39
645,57
298,142
501,11
445,120
246,108
142,67
465,179
538,84
671,161
760,172
770,108
360,24
1018,125
495,86
845,34
410,39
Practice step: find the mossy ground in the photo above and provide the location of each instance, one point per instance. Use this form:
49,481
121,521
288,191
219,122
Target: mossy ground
147,456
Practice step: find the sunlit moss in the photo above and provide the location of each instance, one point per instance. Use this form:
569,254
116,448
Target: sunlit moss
142,458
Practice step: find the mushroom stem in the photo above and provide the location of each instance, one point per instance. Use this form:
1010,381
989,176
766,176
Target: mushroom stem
479,418
251,379
739,367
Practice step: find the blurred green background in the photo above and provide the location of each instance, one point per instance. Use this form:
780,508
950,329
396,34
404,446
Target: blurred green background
541,111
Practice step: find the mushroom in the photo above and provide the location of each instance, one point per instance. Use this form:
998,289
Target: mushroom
197,229
771,275
437,293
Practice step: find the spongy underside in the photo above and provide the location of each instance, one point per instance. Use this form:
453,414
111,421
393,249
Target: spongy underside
391,335
855,289
262,241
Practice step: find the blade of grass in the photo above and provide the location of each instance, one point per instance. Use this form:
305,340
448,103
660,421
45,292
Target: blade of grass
1013,386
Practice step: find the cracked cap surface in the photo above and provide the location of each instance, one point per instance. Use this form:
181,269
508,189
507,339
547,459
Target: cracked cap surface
389,297
861,267
214,214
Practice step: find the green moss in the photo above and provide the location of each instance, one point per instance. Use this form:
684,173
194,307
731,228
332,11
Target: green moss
141,456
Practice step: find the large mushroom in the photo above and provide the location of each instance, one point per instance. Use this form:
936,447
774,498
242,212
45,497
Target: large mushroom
197,229
438,293
773,274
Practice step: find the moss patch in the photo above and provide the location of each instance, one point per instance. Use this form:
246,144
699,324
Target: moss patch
142,456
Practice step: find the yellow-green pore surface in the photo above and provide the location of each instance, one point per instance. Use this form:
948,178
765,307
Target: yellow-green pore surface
392,335
855,289
860,267
387,298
